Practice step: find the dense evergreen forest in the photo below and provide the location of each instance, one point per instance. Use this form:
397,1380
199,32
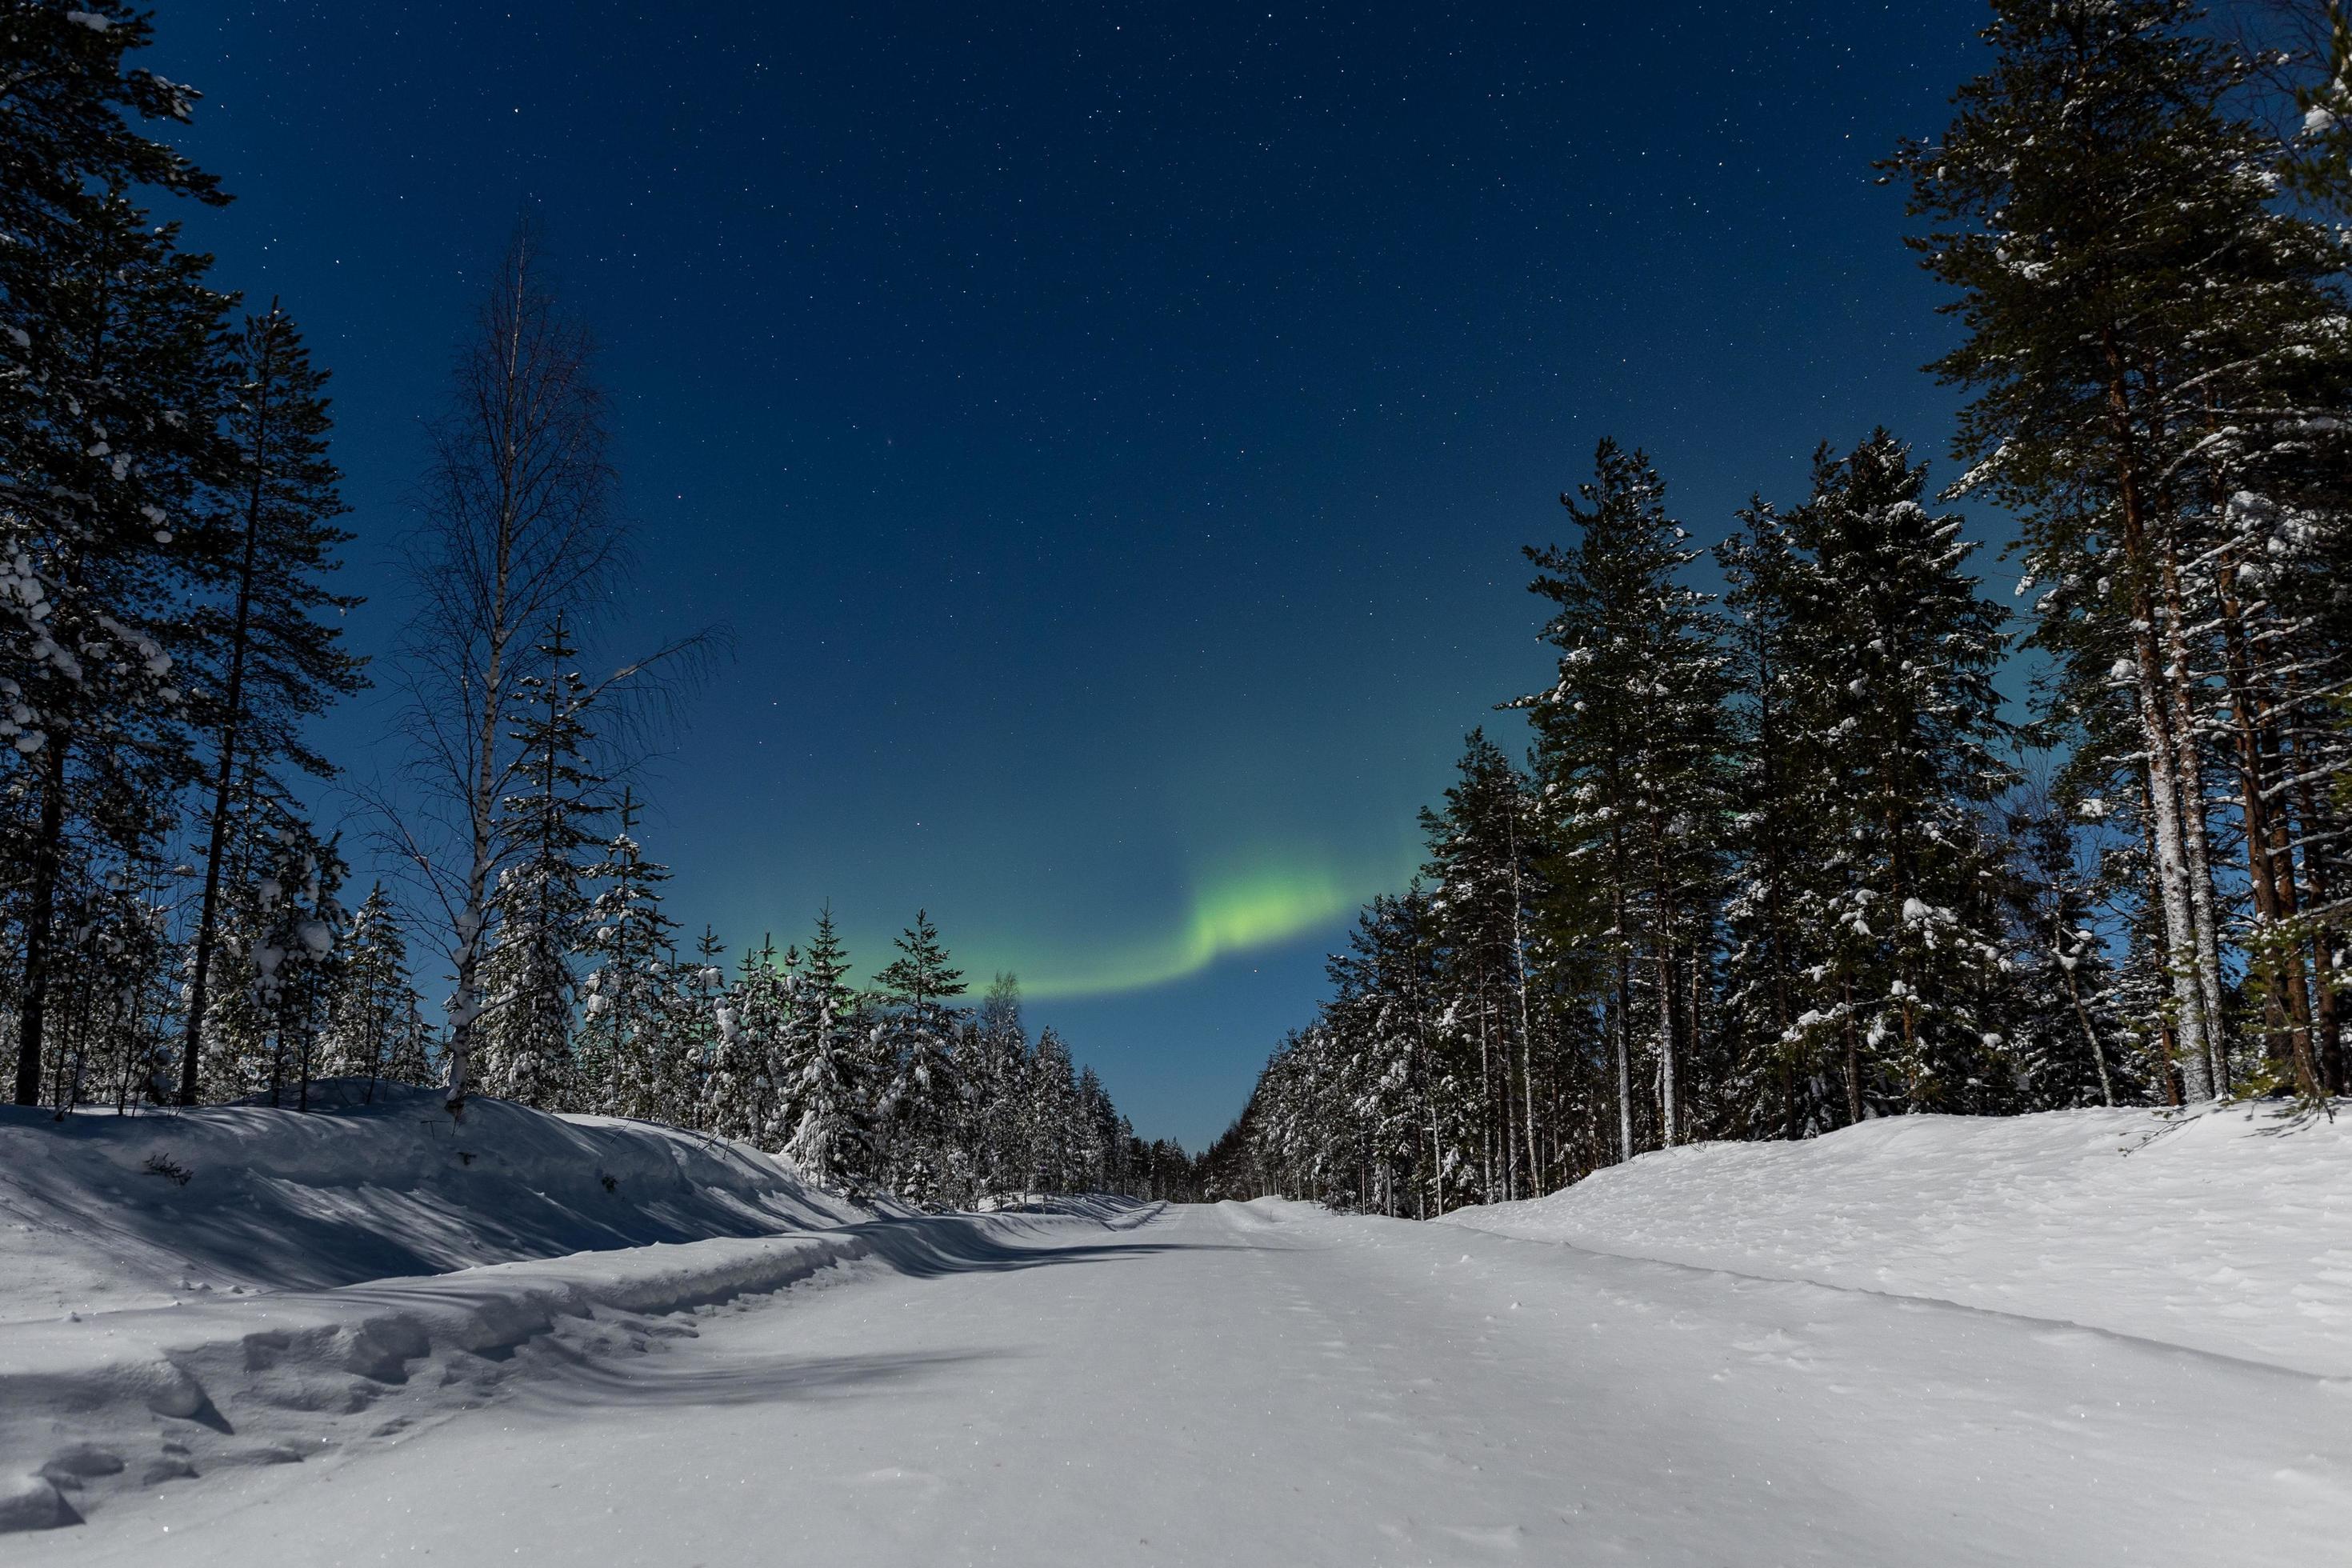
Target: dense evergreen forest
181,928
1779,856
1784,851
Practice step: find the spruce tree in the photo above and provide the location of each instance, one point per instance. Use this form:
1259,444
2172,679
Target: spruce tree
922,1109
1895,651
827,1087
113,1002
702,1017
1098,1130
367,1035
1051,1106
1632,762
1386,1010
105,426
236,1048
1775,915
750,1029
414,1052
999,1061
2065,1033
542,908
631,1064
1484,852
296,960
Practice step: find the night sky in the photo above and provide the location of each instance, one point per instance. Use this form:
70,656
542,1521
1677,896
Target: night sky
1109,431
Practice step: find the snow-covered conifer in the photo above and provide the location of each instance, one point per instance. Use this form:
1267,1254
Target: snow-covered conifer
368,1034
540,910
633,1062
111,374
922,1109
829,1088
1632,766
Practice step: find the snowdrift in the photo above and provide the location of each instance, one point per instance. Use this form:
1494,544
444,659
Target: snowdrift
239,1286
95,1214
2229,1232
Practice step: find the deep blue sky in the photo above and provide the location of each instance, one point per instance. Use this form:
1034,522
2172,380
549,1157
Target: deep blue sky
1109,430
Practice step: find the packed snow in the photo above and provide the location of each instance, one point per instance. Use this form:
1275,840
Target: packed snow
1233,1384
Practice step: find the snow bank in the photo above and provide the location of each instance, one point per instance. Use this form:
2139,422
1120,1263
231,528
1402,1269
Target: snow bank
184,1293
102,1212
2229,1232
91,1406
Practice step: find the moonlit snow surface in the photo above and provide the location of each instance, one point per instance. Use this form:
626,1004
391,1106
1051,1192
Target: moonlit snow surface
2228,1231
1270,1384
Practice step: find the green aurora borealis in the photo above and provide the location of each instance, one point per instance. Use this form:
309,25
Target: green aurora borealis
1244,908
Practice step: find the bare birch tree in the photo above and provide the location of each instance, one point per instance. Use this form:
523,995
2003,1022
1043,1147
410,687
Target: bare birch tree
521,526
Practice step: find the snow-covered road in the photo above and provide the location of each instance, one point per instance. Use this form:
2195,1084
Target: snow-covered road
1270,1384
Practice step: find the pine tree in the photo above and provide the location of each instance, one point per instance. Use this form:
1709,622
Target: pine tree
270,661
2149,336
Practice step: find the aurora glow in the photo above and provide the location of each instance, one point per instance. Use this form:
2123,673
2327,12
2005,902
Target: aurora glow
1233,913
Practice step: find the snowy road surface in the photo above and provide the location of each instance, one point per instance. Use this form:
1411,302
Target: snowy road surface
1269,1384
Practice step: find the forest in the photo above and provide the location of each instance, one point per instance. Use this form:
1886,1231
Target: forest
1814,827
182,924
1818,825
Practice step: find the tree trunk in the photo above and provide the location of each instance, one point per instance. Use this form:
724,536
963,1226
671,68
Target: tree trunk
2269,863
2326,1020
2083,1017
2169,841
1527,1032
1625,1047
1669,1108
40,916
1853,1058
2200,864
